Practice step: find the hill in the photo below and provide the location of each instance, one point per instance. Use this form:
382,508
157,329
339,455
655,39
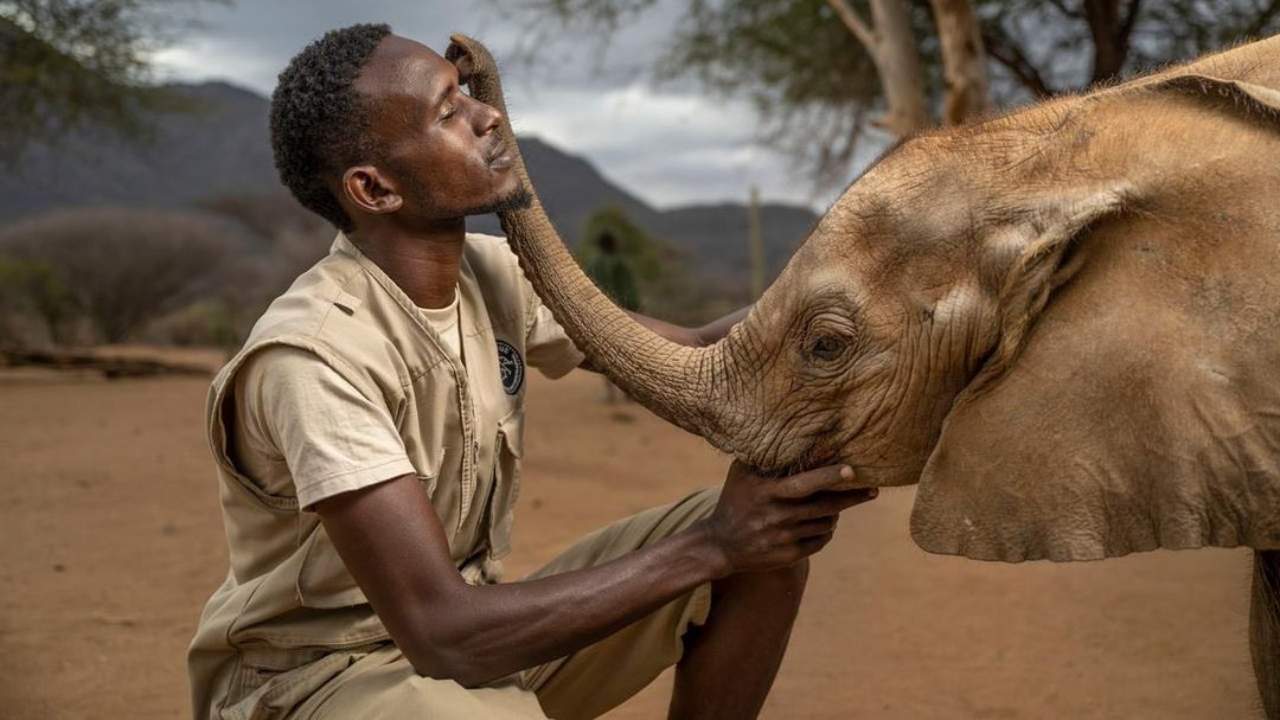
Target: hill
221,148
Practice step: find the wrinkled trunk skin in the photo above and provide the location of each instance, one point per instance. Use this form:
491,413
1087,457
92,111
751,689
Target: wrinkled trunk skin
681,384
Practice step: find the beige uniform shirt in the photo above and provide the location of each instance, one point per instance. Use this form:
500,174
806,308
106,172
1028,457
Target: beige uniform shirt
342,384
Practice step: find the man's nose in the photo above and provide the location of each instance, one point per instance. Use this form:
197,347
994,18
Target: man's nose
489,119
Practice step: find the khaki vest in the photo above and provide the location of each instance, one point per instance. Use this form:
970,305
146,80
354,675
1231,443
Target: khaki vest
288,600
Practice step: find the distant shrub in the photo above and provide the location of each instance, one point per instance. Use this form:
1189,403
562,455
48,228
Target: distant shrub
121,268
35,305
207,323
281,240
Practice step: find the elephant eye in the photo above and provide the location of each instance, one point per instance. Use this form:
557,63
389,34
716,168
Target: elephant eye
826,348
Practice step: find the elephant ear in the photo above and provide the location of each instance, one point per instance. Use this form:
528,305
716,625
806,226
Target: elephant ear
1132,401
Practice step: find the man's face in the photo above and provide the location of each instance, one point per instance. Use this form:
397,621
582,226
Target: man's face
438,145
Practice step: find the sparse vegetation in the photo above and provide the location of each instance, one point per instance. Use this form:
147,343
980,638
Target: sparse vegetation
120,268
820,73
194,277
35,306
65,63
668,288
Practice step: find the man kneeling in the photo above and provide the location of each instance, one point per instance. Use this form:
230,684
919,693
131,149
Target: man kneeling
368,439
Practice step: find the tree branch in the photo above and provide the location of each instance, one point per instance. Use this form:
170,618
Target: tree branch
1263,19
1130,19
856,24
1062,8
1011,57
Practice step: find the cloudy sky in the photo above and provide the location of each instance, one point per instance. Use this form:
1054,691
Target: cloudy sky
670,145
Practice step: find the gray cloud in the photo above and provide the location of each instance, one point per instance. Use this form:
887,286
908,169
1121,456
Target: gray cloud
668,144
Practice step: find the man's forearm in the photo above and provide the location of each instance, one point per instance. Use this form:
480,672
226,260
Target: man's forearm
484,633
392,542
712,332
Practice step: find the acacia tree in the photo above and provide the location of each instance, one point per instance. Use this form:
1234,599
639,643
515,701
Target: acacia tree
65,63
820,72
889,42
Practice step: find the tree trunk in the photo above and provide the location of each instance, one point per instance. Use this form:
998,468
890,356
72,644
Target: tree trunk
964,61
892,47
755,245
898,60
1111,30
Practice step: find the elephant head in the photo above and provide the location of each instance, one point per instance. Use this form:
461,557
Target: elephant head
1064,323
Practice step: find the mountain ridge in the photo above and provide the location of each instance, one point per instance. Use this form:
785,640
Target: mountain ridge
223,150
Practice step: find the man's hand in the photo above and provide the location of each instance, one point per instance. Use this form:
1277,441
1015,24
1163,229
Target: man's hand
763,523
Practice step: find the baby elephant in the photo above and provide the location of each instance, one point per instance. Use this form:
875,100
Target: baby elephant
1063,323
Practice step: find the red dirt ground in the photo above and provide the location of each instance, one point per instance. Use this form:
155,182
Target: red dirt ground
112,540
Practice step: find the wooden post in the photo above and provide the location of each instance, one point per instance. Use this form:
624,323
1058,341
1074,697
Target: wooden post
755,245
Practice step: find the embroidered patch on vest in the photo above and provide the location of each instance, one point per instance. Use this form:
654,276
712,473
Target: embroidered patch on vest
511,366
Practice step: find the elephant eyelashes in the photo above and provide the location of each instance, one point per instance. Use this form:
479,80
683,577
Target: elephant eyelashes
826,348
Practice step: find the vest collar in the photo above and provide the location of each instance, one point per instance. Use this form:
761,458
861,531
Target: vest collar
477,345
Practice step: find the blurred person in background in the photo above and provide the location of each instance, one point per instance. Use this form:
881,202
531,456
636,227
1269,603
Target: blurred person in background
611,272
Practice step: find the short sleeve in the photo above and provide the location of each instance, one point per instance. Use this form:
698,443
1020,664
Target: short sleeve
547,346
331,437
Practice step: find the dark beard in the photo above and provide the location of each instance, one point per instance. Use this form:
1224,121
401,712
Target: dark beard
519,199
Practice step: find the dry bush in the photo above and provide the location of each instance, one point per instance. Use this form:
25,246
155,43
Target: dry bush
34,305
281,240
124,267
203,323
284,236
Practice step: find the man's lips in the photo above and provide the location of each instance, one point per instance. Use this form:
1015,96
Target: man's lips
499,158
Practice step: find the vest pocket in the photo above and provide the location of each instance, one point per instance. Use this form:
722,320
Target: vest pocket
274,694
502,502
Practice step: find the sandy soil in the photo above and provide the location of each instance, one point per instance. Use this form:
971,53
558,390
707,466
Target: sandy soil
112,540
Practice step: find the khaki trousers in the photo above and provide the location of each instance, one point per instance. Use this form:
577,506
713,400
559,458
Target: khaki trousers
382,684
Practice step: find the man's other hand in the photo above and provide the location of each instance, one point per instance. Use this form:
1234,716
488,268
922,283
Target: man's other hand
762,523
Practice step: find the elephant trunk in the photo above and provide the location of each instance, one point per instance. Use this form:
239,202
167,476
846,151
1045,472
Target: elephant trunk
677,382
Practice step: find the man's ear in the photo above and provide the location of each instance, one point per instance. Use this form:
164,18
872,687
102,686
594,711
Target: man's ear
370,191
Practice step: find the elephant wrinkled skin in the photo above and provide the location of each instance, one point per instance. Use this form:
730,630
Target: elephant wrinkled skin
1063,323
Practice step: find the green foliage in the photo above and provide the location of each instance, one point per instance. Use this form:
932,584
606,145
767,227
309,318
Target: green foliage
31,288
67,63
204,323
1045,47
811,83
664,286
648,256
608,14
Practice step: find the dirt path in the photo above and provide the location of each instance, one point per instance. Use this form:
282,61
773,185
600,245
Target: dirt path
112,541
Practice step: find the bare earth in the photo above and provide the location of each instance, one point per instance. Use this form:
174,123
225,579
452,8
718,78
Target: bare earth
112,540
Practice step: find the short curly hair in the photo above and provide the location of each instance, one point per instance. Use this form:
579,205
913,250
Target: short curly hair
319,123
